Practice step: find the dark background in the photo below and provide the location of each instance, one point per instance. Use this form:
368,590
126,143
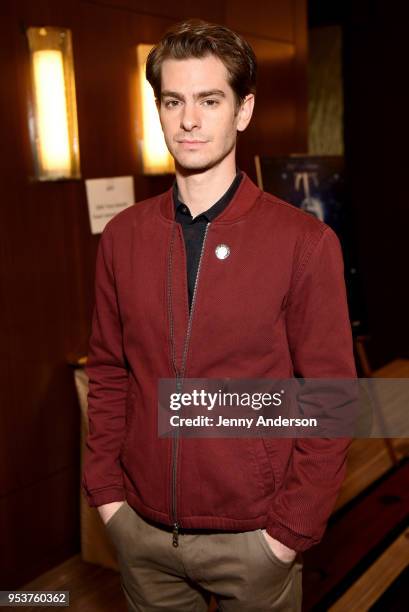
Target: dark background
376,102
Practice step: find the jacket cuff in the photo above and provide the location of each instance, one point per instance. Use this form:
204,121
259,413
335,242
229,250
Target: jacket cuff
104,496
287,537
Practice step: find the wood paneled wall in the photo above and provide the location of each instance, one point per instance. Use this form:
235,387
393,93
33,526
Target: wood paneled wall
48,254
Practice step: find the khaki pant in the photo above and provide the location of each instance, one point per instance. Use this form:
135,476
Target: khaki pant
240,569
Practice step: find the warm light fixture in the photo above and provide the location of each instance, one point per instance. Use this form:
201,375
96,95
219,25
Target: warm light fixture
53,110
156,158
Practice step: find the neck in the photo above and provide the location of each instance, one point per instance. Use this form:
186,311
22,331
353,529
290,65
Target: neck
200,190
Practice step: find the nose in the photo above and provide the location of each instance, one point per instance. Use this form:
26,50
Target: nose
190,118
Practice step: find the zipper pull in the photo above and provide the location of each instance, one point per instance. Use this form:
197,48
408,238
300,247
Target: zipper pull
175,538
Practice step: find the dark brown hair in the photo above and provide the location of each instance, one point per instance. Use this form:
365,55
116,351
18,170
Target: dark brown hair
197,38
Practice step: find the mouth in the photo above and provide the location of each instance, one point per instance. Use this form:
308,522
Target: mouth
189,144
192,141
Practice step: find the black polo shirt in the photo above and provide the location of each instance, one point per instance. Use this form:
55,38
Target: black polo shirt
194,229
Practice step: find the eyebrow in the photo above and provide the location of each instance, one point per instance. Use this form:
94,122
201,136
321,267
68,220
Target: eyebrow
198,96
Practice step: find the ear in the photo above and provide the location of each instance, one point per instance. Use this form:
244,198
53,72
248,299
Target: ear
245,112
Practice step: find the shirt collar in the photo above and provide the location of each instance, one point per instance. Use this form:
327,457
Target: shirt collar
212,212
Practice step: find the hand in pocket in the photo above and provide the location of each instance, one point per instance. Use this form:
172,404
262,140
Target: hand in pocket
282,552
107,511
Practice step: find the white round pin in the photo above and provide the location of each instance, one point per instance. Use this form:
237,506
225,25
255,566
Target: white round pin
222,251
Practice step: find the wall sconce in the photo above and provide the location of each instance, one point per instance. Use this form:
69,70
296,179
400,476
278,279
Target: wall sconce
156,158
53,111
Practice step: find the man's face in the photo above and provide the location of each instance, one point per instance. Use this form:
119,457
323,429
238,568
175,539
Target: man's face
198,112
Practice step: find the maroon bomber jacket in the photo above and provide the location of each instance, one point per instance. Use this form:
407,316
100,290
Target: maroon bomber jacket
275,308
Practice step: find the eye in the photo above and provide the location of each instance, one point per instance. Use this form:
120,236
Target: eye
171,103
211,102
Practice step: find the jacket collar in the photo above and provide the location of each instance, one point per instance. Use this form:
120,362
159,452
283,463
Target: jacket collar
240,204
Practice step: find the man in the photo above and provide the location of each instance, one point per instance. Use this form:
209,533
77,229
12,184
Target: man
211,279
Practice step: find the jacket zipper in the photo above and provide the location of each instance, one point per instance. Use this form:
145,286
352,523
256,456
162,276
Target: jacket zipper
179,383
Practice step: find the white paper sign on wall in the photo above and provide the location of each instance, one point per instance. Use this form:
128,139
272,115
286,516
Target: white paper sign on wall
106,198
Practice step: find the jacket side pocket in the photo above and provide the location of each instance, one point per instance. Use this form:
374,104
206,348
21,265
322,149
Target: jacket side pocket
264,466
128,419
